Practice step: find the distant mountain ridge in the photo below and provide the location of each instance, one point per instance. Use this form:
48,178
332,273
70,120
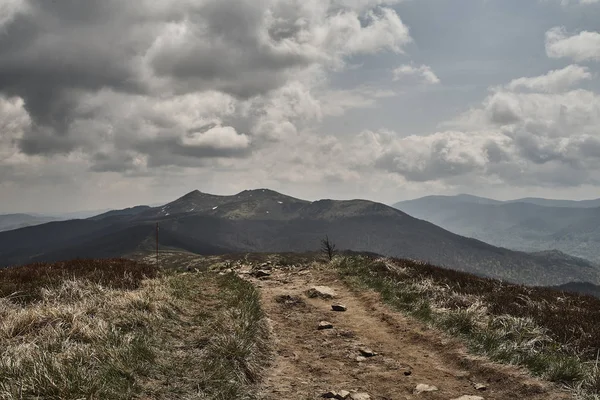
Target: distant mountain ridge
15,221
468,198
131,211
266,221
519,225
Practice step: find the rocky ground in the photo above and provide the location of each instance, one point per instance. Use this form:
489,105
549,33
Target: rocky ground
334,342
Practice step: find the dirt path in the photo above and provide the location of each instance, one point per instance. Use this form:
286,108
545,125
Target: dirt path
309,362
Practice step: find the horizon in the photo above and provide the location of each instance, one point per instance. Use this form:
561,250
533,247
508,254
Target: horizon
154,205
109,104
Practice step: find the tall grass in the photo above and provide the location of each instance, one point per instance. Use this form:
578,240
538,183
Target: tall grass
128,332
80,340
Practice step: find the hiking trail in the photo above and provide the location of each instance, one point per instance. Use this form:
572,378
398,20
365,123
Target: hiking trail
372,352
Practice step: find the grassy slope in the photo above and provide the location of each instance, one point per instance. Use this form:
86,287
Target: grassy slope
553,334
118,329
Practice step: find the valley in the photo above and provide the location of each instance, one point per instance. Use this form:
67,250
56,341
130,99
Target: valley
531,225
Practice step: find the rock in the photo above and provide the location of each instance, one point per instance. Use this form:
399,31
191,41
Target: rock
407,373
325,325
421,388
359,396
338,307
469,398
366,352
323,292
341,395
361,358
261,273
289,300
266,266
479,386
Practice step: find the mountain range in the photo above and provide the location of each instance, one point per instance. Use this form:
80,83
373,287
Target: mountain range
526,224
266,221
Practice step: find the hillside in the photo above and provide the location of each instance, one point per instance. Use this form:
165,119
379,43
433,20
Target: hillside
15,221
267,221
273,326
515,225
127,212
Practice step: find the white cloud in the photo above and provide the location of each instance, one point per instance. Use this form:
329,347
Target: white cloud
14,122
218,137
520,139
423,73
9,9
554,81
584,46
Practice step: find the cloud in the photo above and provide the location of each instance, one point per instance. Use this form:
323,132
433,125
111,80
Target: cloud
584,46
513,138
180,83
143,69
434,157
423,73
9,9
338,102
554,81
223,138
14,121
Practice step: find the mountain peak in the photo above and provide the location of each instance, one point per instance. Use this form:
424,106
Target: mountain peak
193,193
261,192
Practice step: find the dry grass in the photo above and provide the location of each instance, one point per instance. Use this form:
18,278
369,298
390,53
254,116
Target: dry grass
117,333
24,284
554,334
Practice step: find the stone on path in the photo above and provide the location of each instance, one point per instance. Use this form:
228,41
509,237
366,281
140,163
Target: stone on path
323,292
421,388
260,273
338,307
479,386
360,396
341,395
325,325
366,352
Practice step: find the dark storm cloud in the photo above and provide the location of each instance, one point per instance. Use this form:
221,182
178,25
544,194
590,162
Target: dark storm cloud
57,51
224,46
52,52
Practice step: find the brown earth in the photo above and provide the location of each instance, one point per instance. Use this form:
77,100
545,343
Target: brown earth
309,362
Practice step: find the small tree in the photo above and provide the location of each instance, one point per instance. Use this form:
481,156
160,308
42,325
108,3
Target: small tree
328,248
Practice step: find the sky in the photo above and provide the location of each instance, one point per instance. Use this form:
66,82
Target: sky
111,103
